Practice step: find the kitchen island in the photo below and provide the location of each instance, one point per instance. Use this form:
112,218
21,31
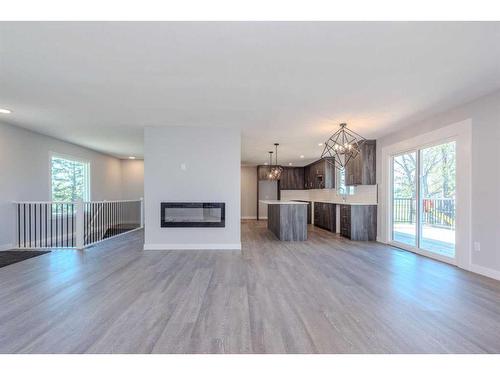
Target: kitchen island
287,219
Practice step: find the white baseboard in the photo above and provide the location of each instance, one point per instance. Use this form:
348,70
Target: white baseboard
485,271
249,218
194,246
7,246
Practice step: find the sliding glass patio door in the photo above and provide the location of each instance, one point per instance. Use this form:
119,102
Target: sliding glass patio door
423,200
404,201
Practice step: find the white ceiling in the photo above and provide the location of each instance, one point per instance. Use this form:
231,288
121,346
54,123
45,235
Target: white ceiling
100,84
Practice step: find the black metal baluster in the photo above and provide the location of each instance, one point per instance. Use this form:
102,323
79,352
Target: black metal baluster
29,221
94,222
117,218
18,225
117,221
91,222
120,217
89,231
24,224
45,214
62,225
99,215
85,223
40,225
57,225
51,224
103,220
34,204
67,225
111,219
106,226
72,225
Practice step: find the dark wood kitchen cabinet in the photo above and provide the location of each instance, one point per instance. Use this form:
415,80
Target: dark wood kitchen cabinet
319,175
358,222
361,170
325,216
292,178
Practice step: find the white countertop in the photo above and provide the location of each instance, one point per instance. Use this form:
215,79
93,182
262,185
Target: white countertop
347,203
280,202
319,201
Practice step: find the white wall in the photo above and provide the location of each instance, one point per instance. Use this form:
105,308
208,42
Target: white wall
366,194
132,180
484,114
24,172
190,164
248,192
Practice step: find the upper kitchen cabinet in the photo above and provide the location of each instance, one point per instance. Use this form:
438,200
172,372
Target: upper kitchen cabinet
361,170
292,178
319,175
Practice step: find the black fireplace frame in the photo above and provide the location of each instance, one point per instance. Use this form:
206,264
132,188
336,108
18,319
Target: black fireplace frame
192,224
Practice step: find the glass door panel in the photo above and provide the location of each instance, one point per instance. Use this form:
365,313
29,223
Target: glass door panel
404,202
437,199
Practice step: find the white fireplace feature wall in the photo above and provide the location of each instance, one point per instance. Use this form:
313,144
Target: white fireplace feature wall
191,164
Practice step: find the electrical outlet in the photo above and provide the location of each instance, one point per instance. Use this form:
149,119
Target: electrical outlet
183,166
477,246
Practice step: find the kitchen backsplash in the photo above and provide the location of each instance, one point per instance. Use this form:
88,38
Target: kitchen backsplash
362,194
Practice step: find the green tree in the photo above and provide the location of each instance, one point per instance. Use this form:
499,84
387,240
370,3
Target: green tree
69,180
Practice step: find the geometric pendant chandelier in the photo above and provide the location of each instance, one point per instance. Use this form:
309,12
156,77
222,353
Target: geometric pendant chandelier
342,147
276,170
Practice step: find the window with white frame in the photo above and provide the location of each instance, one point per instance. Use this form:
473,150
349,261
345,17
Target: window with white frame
70,179
342,189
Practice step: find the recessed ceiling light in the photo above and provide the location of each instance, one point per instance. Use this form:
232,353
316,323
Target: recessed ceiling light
289,163
131,157
302,156
265,163
320,144
5,111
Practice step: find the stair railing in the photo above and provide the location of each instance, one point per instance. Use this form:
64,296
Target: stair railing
78,224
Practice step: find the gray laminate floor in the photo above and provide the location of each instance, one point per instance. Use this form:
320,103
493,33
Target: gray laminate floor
326,295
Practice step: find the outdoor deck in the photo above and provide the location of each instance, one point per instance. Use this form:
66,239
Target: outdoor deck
437,240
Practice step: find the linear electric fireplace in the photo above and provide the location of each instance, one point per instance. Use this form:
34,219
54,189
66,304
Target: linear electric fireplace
191,214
